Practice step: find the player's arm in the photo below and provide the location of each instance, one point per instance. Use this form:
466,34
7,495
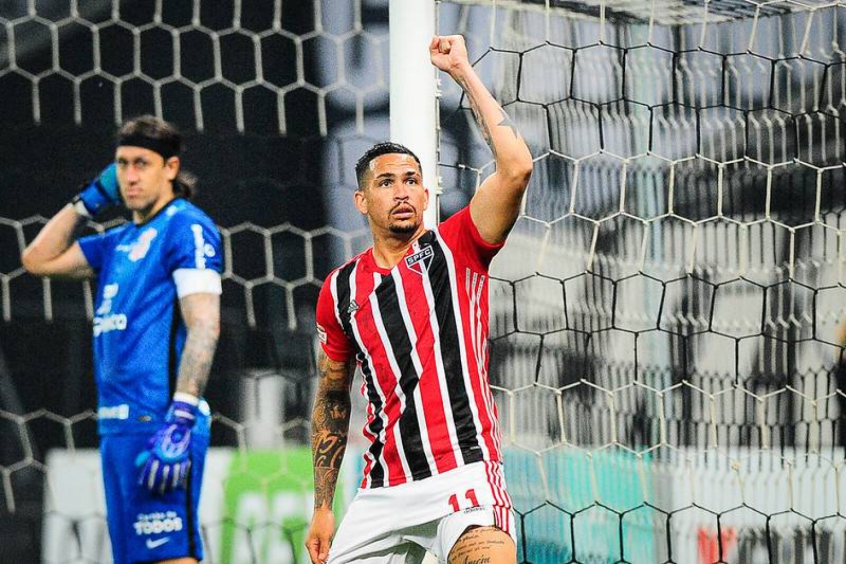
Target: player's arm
330,422
496,204
54,251
166,463
201,313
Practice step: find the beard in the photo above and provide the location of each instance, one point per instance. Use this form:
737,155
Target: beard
404,228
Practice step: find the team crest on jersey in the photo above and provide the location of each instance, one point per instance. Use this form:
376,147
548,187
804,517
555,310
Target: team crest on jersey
423,256
139,248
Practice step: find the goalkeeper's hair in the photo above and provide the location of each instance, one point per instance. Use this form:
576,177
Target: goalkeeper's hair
377,150
185,183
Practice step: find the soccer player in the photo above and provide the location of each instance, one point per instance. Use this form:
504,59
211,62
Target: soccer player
412,312
156,326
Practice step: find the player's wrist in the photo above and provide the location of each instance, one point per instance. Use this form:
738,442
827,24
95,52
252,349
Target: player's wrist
186,397
461,69
100,194
79,207
183,408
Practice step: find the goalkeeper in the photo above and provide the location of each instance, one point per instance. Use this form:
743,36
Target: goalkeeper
156,326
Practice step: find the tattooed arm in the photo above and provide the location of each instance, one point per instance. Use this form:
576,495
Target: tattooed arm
201,313
330,422
496,205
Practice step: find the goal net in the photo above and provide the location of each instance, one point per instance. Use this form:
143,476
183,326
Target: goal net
666,317
276,101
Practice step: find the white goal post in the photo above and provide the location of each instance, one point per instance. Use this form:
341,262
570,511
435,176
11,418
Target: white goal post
413,89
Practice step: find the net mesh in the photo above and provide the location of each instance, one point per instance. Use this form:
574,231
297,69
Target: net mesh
248,65
666,317
666,338
272,102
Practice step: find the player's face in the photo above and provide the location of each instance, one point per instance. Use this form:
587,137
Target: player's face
394,197
145,178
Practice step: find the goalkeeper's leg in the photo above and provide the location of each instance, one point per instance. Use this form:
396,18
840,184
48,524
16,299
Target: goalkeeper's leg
150,527
115,508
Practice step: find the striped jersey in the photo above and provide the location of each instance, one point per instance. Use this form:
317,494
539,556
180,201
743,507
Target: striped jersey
418,332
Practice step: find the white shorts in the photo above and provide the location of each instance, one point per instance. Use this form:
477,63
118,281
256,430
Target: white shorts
397,525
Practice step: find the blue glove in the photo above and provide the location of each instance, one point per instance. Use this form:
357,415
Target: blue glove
166,463
102,193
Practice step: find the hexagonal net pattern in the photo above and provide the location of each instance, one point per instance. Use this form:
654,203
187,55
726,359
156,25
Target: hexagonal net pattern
252,71
666,342
666,318
207,66
261,406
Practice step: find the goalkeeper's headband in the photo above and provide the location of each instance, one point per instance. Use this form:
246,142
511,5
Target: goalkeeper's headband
164,148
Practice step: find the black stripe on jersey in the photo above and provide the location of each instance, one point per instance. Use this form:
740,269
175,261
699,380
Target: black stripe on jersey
377,471
441,282
392,319
342,285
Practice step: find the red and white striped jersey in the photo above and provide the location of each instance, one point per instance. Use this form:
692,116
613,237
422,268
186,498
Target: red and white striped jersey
419,334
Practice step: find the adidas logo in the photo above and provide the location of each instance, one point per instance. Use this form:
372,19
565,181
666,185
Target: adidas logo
353,307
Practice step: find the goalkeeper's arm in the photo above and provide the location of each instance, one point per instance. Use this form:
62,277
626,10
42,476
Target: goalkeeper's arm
166,463
201,312
53,252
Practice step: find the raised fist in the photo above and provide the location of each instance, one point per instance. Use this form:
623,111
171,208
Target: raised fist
448,52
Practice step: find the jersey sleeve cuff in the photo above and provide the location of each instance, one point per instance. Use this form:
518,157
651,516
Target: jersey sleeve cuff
196,281
477,237
88,248
335,355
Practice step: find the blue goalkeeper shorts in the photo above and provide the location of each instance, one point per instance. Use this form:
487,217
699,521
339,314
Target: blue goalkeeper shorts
144,527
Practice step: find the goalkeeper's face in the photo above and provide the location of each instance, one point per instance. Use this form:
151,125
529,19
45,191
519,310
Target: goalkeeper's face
393,197
145,178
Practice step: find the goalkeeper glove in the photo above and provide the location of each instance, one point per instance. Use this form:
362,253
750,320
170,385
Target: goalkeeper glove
166,463
102,193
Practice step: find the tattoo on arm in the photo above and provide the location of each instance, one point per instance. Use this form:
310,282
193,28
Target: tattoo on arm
330,423
506,122
201,314
484,126
480,120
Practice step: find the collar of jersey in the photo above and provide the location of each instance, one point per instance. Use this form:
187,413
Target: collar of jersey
427,237
158,213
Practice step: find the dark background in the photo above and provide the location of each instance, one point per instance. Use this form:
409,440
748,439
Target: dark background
257,175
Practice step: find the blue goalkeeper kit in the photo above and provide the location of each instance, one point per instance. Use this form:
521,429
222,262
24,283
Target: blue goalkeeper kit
142,271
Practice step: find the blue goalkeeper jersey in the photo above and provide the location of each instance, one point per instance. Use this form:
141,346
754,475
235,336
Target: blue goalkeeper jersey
142,271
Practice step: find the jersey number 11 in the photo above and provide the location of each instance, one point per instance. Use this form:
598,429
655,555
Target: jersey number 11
471,497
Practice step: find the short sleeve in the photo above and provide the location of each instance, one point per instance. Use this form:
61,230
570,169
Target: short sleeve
461,233
97,247
193,243
335,342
